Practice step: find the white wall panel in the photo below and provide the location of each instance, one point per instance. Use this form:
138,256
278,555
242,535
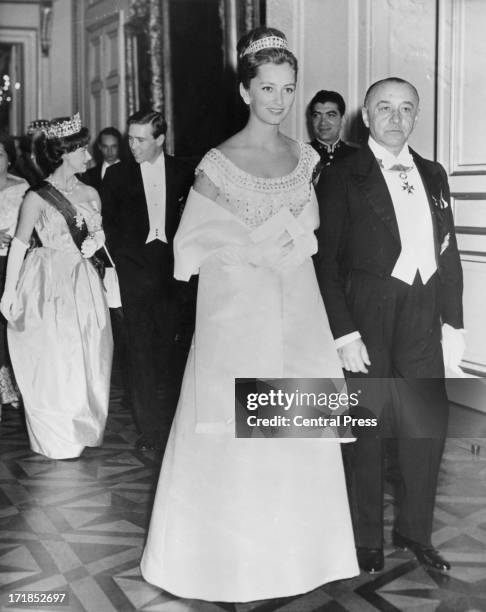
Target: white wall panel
471,243
474,269
470,213
468,87
345,45
105,84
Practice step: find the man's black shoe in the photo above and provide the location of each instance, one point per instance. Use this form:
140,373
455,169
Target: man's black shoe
426,555
370,560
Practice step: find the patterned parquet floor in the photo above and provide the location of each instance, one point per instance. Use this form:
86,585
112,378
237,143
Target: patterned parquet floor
79,526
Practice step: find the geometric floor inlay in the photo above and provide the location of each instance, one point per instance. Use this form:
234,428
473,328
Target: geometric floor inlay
80,526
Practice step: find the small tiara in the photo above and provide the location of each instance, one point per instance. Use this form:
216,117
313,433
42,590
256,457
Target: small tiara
60,129
269,42
39,125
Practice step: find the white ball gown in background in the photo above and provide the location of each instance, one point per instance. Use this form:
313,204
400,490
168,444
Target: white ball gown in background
10,201
246,519
60,341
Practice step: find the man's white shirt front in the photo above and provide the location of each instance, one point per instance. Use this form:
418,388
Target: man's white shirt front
105,165
413,216
414,221
153,177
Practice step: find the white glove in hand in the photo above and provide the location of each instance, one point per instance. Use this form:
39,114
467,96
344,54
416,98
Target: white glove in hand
453,346
9,299
269,254
303,248
15,259
99,236
92,243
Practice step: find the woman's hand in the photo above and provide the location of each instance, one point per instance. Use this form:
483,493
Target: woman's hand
5,238
89,247
268,254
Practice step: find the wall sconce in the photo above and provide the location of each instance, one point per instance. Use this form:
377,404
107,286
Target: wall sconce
45,26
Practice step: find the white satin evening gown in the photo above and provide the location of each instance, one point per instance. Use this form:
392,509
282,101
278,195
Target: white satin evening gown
247,519
60,341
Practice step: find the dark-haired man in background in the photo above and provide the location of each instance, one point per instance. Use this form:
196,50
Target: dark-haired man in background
142,204
107,151
326,114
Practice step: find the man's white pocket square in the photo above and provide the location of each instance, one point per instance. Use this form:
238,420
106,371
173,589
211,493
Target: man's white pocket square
440,202
445,203
445,243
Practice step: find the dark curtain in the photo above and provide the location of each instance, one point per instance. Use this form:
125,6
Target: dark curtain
178,61
200,95
5,54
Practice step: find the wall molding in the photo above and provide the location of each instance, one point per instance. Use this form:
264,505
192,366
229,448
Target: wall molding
454,55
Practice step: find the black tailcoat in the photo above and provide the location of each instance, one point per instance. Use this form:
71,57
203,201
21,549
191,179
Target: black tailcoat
92,177
149,291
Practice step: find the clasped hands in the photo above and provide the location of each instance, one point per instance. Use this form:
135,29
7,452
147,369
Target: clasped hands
269,254
282,254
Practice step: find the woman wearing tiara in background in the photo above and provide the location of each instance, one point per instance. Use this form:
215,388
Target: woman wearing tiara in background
246,519
59,330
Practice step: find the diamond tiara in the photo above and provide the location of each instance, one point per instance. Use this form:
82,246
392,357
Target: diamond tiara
60,129
269,42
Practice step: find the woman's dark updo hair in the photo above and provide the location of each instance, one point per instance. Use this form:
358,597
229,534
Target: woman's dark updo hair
248,64
52,148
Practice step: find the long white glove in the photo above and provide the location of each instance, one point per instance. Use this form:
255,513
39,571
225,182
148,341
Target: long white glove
96,238
15,259
453,346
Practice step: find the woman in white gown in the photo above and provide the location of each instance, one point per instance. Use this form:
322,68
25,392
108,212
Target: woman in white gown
238,519
59,331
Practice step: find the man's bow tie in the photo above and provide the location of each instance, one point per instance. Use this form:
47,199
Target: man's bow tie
400,168
402,173
396,167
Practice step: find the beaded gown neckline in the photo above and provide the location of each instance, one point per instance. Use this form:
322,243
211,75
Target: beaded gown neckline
275,179
255,199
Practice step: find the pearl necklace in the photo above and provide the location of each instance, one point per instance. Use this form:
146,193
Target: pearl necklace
66,190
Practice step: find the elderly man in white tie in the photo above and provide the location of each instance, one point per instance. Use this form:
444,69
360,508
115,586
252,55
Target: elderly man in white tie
142,204
391,279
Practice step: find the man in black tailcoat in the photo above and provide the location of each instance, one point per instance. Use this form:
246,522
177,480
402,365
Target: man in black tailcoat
142,204
391,280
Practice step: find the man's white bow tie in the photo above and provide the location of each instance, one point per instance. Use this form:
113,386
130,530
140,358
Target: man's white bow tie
395,167
403,174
